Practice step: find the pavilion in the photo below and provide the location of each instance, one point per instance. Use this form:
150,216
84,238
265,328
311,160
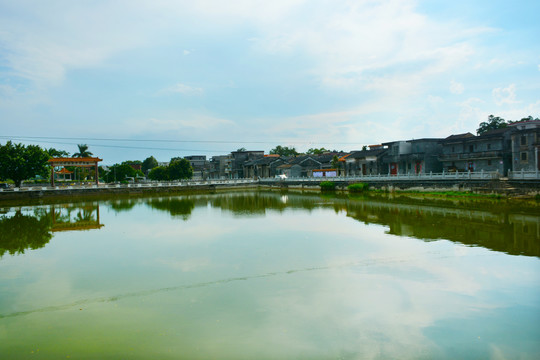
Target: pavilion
77,162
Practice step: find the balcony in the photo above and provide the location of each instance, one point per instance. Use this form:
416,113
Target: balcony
471,156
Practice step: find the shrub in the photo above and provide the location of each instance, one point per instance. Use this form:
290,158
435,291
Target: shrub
358,187
327,186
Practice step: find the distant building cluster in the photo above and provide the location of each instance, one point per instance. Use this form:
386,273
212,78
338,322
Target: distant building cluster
512,148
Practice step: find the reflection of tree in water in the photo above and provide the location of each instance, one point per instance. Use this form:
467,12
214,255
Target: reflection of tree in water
21,232
122,205
177,207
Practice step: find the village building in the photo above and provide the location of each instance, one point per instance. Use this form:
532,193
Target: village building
487,152
525,143
412,156
365,162
263,167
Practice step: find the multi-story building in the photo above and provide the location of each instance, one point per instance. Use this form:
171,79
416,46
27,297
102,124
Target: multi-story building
220,167
412,156
487,152
199,165
525,141
239,158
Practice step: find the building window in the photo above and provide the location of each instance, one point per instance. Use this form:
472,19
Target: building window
489,146
489,162
471,148
524,156
523,140
453,149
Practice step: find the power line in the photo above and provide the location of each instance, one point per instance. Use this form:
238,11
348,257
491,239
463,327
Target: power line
173,141
128,147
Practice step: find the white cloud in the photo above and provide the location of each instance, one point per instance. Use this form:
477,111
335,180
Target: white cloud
505,95
456,88
183,89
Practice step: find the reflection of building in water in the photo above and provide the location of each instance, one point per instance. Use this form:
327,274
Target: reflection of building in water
516,234
74,218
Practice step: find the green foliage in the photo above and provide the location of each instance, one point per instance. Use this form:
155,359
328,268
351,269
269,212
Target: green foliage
57,153
336,164
19,162
83,151
358,187
180,169
493,123
283,151
148,164
241,149
160,173
121,172
327,186
315,151
132,162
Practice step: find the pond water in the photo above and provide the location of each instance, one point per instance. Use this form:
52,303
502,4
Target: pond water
268,275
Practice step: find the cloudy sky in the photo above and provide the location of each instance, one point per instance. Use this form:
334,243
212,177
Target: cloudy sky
134,78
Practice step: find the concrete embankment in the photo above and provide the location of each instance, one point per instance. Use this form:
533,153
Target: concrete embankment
32,193
495,186
510,188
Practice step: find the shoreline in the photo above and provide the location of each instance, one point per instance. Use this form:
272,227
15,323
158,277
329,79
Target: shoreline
37,196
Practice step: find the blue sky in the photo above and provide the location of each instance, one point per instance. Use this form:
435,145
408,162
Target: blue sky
174,78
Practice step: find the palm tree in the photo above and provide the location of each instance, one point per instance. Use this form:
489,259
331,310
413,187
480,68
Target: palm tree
83,151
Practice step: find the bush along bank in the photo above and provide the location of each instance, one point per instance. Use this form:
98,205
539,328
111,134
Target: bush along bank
327,186
358,187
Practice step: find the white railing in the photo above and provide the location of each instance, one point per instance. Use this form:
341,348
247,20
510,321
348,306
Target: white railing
150,184
524,175
481,175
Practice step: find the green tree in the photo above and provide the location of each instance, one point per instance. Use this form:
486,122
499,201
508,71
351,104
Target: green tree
284,151
315,151
57,153
148,164
180,169
19,162
493,123
241,149
121,173
83,151
132,162
160,173
336,164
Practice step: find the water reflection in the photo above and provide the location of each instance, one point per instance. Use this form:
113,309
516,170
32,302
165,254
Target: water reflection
24,231
32,228
177,207
493,225
516,234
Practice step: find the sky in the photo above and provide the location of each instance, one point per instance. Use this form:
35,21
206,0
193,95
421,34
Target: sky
165,78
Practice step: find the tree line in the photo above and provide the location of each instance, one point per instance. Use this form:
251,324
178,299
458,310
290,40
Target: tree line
19,162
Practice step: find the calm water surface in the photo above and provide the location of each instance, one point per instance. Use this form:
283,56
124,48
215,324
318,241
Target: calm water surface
269,276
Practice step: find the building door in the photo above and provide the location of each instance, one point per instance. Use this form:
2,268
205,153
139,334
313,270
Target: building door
418,167
393,168
470,166
363,169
